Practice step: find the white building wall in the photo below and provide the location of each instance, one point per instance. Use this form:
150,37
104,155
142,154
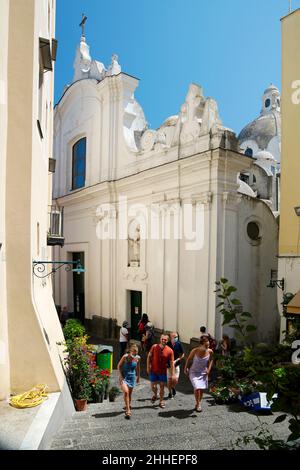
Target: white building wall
255,261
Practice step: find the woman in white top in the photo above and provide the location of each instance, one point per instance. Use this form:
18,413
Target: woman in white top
201,359
124,333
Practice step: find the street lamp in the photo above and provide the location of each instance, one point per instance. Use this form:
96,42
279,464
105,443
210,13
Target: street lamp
275,282
39,267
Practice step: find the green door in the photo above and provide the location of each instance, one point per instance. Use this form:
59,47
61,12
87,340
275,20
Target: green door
136,312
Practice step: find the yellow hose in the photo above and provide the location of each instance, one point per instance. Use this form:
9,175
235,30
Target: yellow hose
33,397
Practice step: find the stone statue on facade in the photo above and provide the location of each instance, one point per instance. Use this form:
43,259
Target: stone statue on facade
134,246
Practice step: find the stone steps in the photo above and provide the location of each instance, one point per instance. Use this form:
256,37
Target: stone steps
176,427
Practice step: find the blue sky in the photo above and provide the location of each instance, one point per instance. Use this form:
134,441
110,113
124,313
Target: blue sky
232,48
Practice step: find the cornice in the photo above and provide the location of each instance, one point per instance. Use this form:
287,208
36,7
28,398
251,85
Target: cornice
231,199
204,197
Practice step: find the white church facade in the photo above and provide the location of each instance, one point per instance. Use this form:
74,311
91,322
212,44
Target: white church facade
157,216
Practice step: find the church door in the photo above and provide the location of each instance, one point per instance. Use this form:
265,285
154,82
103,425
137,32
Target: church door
136,312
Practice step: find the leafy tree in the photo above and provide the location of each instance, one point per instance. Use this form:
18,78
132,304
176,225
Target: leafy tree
232,311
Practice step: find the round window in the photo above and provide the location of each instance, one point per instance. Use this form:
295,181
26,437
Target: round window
253,231
267,102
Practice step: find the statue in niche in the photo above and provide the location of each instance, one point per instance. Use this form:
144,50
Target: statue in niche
134,237
114,68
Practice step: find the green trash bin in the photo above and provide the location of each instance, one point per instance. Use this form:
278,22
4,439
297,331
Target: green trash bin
104,357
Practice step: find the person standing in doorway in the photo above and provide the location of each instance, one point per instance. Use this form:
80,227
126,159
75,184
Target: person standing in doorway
149,336
64,315
177,348
129,375
141,328
212,340
160,355
201,359
124,336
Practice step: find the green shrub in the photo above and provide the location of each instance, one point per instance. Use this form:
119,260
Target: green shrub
73,329
286,382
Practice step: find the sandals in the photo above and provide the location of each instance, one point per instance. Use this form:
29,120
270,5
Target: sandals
161,403
127,415
198,408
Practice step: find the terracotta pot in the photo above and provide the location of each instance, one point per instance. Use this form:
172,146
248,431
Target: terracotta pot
80,404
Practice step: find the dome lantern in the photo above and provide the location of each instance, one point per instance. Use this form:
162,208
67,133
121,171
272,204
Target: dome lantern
270,100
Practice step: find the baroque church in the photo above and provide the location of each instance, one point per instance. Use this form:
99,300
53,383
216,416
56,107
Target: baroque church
156,216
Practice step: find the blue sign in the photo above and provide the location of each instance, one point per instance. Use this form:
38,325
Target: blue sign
256,401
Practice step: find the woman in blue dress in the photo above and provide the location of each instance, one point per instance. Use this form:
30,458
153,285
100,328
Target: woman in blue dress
129,375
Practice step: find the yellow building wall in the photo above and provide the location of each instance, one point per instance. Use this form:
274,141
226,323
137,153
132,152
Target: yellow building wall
4,357
289,228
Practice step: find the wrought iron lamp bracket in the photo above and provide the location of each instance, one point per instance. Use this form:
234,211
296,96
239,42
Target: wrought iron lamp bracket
276,282
39,267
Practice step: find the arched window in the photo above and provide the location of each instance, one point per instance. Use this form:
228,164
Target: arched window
78,164
267,103
249,152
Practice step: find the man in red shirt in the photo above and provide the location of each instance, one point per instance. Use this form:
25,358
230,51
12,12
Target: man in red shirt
159,358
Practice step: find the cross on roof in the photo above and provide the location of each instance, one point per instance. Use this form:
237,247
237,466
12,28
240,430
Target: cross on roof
82,23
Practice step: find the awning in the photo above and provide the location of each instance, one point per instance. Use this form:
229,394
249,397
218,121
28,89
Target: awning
294,305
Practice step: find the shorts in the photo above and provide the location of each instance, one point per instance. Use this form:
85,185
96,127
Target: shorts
177,372
158,377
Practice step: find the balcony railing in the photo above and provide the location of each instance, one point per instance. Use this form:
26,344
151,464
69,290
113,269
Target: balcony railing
55,220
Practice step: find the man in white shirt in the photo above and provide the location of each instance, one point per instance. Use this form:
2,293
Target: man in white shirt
124,333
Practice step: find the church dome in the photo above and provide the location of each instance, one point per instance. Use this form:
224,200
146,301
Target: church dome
267,126
271,88
264,155
262,129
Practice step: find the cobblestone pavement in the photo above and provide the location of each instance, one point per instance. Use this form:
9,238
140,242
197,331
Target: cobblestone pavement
177,427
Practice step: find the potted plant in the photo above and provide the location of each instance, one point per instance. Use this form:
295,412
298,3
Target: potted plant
83,393
105,375
113,393
78,370
97,384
